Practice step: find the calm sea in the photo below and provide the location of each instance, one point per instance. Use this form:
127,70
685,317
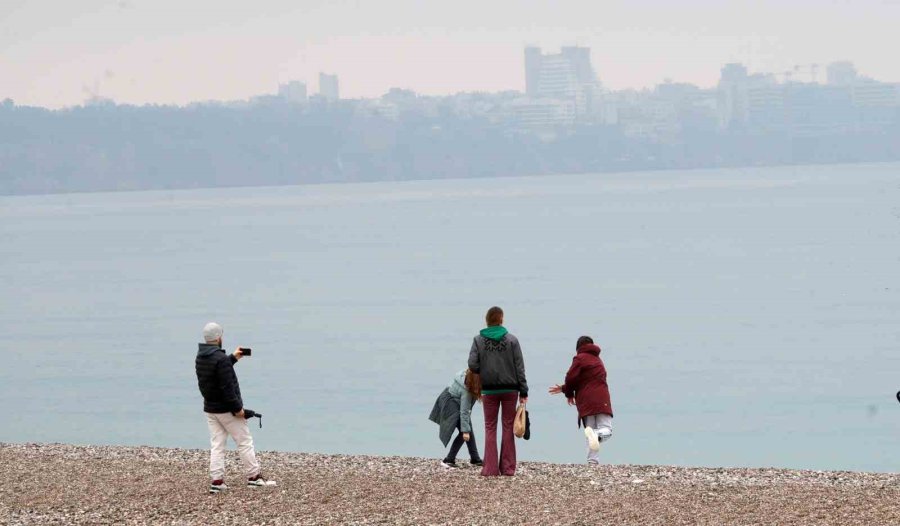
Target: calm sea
747,317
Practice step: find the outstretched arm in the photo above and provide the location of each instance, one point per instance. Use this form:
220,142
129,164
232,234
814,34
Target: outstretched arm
236,355
569,386
465,412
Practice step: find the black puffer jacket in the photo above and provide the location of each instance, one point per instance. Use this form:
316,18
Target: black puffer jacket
217,381
500,363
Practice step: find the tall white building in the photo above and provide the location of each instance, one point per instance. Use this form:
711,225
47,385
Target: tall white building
328,87
732,95
293,92
566,76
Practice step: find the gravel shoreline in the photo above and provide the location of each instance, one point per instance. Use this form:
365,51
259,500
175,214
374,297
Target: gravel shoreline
62,484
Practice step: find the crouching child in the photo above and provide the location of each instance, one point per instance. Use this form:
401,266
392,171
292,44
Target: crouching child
453,411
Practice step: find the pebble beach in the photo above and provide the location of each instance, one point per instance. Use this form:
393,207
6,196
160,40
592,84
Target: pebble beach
63,484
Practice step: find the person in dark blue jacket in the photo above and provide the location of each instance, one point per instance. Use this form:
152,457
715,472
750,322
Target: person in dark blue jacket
224,409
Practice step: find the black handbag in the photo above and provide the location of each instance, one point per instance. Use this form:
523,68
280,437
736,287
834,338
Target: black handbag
527,434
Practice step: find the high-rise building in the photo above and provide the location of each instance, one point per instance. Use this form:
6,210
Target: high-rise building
876,94
293,92
815,110
876,103
841,73
566,76
328,87
533,58
742,97
732,95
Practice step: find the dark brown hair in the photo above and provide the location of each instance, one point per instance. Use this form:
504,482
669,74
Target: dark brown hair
494,316
584,340
473,384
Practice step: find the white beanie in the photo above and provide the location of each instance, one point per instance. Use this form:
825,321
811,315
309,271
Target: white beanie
212,332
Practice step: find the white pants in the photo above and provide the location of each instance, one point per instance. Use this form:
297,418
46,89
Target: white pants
221,426
602,426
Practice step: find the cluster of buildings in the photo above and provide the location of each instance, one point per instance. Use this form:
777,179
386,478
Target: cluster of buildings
847,102
563,91
296,92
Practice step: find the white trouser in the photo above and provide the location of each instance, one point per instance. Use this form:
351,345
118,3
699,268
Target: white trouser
221,426
602,426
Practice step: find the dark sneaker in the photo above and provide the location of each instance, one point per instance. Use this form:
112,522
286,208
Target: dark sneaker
259,480
478,462
448,464
217,486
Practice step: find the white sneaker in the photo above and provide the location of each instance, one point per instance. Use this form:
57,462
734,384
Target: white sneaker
259,480
591,435
604,434
217,486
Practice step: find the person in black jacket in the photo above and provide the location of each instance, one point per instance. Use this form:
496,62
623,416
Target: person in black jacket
224,409
497,356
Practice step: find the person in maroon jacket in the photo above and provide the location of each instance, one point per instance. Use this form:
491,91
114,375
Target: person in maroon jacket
585,387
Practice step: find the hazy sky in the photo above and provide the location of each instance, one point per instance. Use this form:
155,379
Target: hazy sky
165,51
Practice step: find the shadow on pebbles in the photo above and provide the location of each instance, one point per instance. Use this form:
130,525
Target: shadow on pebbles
61,484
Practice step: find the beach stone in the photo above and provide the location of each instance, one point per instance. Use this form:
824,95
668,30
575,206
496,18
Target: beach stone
63,484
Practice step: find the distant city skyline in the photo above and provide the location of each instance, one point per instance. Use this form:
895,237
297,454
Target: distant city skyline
138,52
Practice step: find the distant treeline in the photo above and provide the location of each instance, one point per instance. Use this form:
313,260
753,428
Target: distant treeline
109,147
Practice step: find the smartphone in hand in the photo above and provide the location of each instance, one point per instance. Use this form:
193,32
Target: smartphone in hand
245,351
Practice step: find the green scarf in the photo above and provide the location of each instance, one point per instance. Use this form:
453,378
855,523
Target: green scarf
496,333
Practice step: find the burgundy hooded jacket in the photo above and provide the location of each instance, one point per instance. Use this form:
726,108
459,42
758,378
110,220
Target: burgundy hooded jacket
586,382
